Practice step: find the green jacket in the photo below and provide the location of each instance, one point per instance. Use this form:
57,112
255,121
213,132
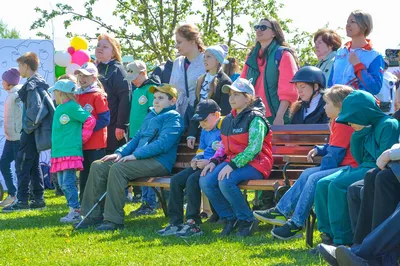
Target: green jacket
271,77
381,131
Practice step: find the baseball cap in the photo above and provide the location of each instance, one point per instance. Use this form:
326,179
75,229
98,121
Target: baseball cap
134,70
204,108
87,69
240,85
63,85
166,88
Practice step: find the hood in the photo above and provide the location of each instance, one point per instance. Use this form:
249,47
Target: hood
154,80
360,108
257,106
173,107
36,81
92,88
368,46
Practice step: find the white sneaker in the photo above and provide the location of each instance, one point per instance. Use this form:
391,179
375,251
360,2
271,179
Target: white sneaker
73,216
9,200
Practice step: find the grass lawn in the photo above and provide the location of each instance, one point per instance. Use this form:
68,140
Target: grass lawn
38,238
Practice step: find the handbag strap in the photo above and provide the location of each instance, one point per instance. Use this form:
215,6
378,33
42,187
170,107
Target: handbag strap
186,79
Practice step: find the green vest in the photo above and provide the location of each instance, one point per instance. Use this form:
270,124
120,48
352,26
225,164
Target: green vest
271,78
66,137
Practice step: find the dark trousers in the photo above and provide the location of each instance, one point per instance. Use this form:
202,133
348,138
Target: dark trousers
186,179
382,244
28,169
89,156
380,197
354,197
10,153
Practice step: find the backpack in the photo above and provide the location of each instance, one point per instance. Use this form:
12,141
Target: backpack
45,172
279,54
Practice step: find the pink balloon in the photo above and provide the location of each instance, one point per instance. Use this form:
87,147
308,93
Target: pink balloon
71,50
80,57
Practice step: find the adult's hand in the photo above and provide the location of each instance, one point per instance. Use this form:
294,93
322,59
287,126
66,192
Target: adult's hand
353,59
383,160
278,121
190,142
127,158
115,157
119,133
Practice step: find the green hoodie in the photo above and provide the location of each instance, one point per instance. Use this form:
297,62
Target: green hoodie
381,131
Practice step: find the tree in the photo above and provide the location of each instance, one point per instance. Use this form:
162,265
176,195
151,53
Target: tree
6,33
150,25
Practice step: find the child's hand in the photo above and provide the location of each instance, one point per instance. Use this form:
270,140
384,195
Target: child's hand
209,167
201,163
190,142
115,157
127,158
226,171
311,154
193,164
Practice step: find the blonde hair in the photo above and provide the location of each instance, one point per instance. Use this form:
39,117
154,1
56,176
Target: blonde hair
336,94
68,77
191,33
66,96
116,46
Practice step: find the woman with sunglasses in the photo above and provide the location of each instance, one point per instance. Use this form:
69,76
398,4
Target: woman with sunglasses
271,66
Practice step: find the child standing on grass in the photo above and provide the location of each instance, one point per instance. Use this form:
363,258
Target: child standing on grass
208,113
69,122
245,154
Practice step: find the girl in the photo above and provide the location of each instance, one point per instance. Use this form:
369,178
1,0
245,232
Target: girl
232,68
66,149
209,86
357,64
300,197
245,154
310,81
92,98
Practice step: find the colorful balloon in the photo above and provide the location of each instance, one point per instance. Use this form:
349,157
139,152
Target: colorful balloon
79,43
62,58
71,68
71,50
80,57
59,71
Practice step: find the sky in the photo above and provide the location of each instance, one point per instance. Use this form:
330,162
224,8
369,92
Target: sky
308,15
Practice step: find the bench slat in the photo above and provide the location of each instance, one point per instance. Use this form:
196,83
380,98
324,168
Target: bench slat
300,159
300,139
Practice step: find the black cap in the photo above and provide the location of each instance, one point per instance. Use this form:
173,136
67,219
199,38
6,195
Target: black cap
204,108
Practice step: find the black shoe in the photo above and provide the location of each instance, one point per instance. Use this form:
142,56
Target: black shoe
345,257
89,222
16,207
214,218
247,228
326,239
328,253
37,205
109,226
288,231
229,227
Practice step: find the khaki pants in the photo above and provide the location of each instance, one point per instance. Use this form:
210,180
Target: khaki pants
113,178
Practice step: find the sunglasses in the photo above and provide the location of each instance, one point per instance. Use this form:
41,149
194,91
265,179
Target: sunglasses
262,27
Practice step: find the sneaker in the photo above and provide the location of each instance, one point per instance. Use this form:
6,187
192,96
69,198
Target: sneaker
9,200
288,231
144,209
37,205
128,199
247,228
271,216
89,222
344,256
190,229
17,206
328,253
73,216
109,226
326,239
230,226
170,230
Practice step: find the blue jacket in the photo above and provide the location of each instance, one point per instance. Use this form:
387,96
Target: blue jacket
366,76
209,142
164,146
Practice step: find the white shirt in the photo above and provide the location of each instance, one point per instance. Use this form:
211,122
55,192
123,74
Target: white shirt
313,105
205,86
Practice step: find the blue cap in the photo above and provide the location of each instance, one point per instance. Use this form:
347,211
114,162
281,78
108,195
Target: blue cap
64,85
240,85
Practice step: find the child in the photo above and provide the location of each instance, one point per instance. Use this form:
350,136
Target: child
92,98
300,197
209,86
37,116
142,100
232,68
208,113
309,81
12,129
66,151
374,133
246,154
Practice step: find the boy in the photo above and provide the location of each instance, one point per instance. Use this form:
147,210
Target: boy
37,116
151,152
142,100
12,129
208,114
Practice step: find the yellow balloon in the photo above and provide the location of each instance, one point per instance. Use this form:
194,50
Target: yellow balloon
79,43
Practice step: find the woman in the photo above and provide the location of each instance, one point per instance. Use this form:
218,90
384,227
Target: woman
326,43
271,66
357,64
111,75
188,67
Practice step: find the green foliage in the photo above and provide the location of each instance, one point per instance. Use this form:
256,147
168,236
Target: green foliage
6,33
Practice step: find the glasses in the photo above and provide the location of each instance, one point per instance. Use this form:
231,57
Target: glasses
262,27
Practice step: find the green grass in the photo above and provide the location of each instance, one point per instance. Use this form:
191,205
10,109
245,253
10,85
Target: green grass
38,238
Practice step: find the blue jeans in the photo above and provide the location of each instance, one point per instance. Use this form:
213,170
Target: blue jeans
66,181
10,152
225,195
149,197
300,197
